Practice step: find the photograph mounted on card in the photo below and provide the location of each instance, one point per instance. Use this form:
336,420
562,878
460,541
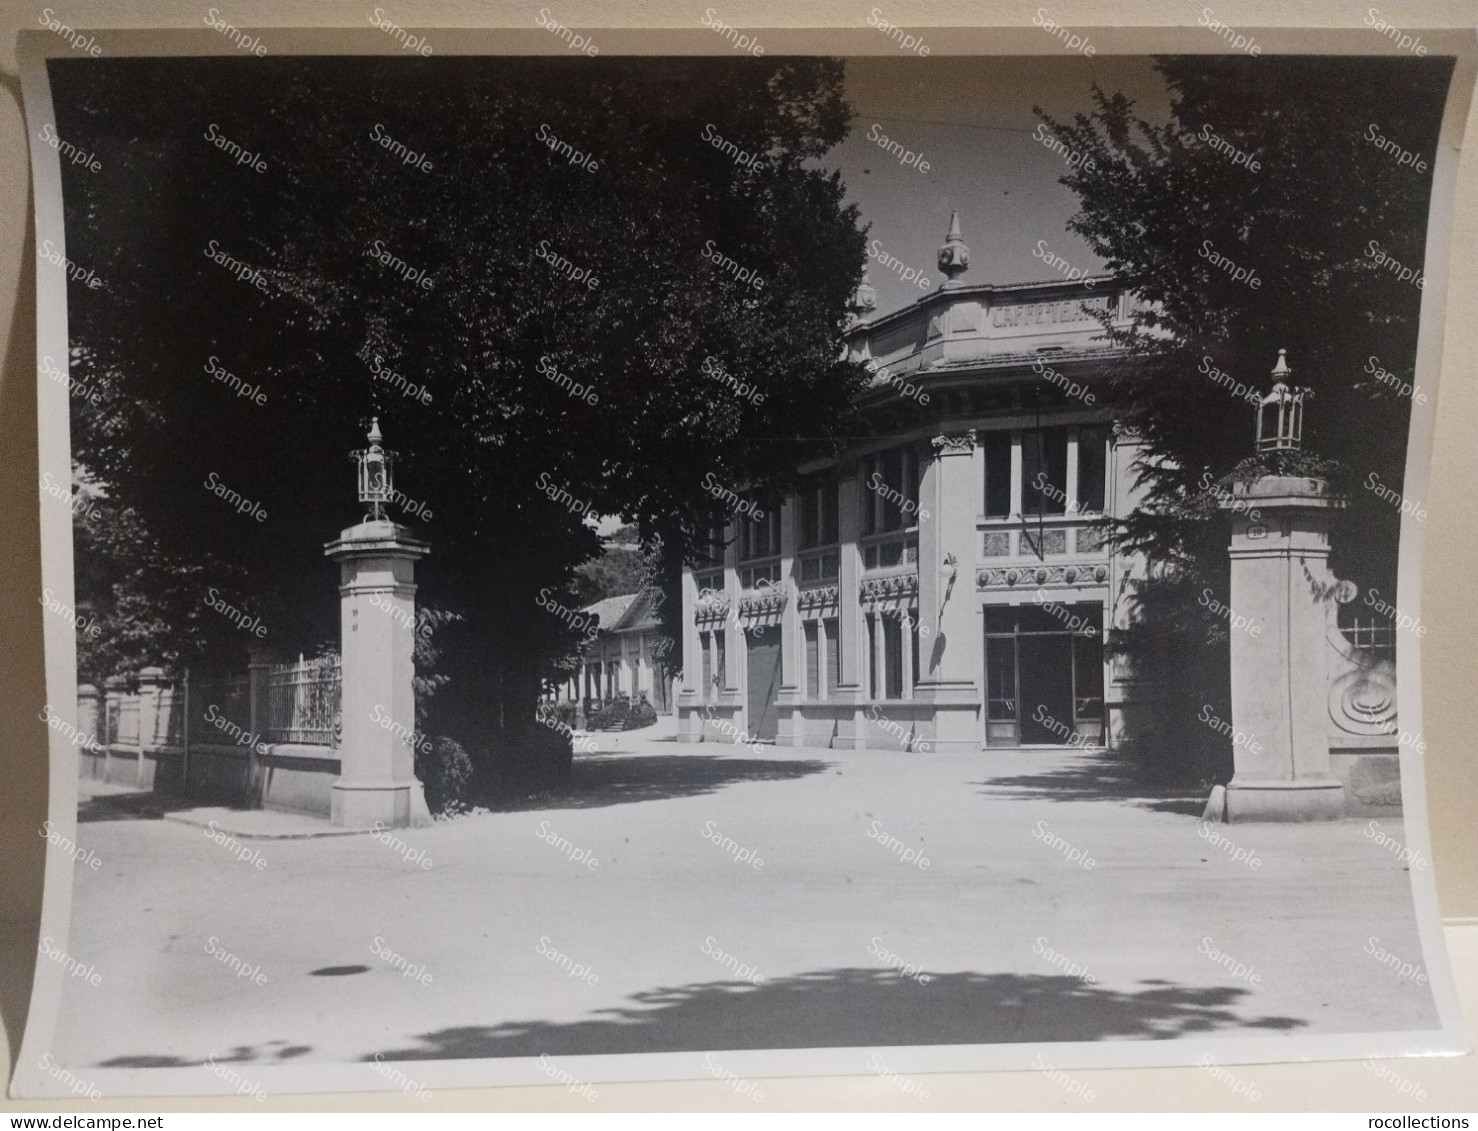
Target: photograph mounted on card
568,566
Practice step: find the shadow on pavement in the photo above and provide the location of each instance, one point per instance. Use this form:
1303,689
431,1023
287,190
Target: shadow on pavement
140,806
272,1051
616,779
1096,777
862,1007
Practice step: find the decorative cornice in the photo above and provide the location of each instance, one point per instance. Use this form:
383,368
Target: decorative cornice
758,604
816,596
892,586
1090,573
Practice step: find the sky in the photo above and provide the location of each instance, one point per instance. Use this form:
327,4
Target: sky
971,119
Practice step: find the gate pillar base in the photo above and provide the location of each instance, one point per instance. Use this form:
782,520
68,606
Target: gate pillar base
1307,799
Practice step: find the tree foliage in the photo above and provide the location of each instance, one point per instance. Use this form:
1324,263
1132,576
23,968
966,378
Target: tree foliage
1270,164
503,460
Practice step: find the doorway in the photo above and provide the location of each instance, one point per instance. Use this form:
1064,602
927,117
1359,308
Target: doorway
762,646
1044,675
1045,666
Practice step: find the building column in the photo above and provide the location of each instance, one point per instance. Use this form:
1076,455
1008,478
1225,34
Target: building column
878,683
905,636
849,582
1282,584
792,659
691,642
951,669
734,644
377,783
823,669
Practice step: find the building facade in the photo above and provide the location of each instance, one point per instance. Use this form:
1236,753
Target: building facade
624,656
947,586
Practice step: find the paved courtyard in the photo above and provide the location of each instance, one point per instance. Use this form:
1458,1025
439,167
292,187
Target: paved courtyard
511,944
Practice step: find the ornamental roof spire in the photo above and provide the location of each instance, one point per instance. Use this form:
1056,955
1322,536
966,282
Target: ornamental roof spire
954,256
864,298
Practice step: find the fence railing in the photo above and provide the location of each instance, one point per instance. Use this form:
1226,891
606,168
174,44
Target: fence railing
303,701
294,703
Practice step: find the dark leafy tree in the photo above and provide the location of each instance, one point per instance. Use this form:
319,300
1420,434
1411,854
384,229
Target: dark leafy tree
1271,165
416,239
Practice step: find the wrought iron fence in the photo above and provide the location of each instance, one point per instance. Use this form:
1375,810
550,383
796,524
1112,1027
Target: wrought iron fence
303,701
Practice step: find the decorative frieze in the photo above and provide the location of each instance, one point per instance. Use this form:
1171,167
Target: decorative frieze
712,605
892,587
762,602
816,596
1092,573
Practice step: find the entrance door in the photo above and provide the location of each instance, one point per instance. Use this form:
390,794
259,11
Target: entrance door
1046,673
763,648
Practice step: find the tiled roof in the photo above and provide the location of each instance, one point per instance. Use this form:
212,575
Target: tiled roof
611,610
630,612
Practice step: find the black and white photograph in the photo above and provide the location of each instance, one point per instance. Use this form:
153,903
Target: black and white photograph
575,567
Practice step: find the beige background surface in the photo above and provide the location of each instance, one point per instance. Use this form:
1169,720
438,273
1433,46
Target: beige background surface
623,26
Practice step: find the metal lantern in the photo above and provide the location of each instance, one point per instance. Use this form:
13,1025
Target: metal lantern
1280,414
376,474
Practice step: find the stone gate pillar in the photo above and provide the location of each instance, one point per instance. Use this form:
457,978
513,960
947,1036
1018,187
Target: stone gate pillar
377,777
1282,594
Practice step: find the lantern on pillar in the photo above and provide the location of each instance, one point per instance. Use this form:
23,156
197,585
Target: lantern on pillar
1280,414
376,474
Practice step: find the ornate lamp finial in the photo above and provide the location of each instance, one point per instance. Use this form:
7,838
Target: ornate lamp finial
376,474
954,256
1280,414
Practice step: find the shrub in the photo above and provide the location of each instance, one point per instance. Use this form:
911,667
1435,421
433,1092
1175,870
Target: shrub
619,714
446,772
562,711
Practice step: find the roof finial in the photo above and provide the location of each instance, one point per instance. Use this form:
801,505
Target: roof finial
374,432
864,298
1281,370
954,256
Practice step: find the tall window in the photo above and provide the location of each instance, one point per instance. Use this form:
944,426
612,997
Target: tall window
712,646
890,488
1092,464
1044,471
997,447
759,539
818,504
709,574
821,646
885,667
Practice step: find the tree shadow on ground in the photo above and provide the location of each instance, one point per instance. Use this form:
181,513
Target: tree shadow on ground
1097,777
269,1053
851,1006
599,780
134,806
